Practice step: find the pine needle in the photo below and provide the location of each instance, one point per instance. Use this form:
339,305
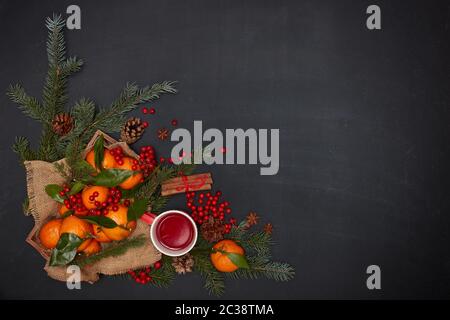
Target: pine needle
113,250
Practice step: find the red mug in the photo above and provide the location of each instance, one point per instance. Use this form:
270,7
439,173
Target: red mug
173,232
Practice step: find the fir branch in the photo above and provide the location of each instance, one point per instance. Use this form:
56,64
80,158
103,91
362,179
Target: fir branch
70,66
47,148
113,250
158,203
55,43
111,119
30,106
238,232
21,146
277,271
163,276
214,281
258,241
83,113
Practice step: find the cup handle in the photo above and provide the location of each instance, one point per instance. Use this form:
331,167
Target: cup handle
148,218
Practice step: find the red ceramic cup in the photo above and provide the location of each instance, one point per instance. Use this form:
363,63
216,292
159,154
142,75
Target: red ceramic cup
172,232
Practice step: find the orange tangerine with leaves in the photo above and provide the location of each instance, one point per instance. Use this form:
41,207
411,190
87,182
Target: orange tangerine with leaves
135,179
94,195
99,235
108,159
93,247
124,228
50,233
79,227
220,260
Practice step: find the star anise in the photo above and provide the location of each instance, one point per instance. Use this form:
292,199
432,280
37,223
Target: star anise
252,219
163,134
268,228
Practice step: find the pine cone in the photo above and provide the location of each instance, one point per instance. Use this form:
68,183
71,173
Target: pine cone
212,230
183,264
132,130
62,124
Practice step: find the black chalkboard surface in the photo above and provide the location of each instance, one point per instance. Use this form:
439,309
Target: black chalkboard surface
363,118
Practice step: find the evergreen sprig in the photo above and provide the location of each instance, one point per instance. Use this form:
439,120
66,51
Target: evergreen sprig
113,250
214,281
163,276
257,247
54,100
21,146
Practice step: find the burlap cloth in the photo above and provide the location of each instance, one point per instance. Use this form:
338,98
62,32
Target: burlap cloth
43,208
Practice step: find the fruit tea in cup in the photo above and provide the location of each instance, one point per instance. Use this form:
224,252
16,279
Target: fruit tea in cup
173,232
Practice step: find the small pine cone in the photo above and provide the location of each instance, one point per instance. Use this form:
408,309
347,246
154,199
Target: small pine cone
212,230
183,264
132,130
62,124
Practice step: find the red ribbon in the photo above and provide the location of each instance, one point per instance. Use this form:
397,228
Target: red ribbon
197,183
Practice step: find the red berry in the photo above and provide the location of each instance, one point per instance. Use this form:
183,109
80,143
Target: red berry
157,265
174,122
62,193
152,111
144,110
145,124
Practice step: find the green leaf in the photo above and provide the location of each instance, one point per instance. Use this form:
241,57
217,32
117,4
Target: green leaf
77,187
237,259
137,209
53,191
67,213
99,150
109,177
65,250
101,221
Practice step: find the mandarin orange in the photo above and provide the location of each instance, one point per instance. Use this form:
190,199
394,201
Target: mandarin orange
79,227
92,194
124,227
50,233
93,247
132,181
108,159
99,235
220,260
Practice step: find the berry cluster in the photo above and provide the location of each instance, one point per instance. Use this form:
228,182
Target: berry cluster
208,205
114,197
147,161
118,155
144,276
146,110
72,202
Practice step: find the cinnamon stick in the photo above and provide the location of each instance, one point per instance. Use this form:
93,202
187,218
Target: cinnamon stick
196,182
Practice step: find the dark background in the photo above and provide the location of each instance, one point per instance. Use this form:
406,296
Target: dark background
363,118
